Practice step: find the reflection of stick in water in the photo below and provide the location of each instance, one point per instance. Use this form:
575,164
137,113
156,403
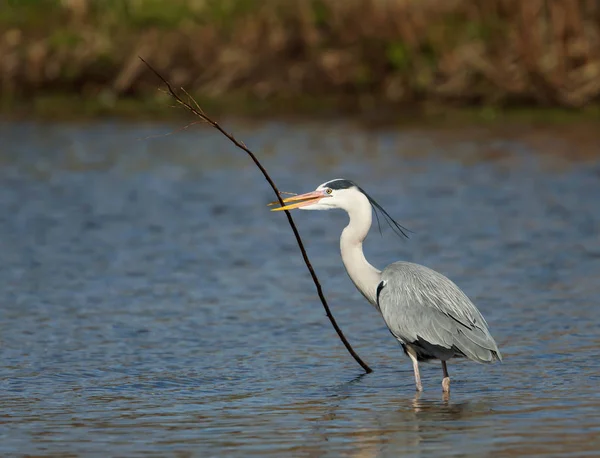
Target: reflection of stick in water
194,108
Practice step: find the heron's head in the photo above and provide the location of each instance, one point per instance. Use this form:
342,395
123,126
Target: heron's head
338,193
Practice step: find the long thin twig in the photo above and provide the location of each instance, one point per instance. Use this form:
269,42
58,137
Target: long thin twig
196,110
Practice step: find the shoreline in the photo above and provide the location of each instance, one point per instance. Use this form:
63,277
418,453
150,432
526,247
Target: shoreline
72,107
301,56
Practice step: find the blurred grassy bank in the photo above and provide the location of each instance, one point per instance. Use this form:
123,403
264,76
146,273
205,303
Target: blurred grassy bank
60,57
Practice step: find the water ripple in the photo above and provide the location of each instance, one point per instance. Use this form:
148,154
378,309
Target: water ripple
152,305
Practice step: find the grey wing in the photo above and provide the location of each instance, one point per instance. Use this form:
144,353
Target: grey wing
424,308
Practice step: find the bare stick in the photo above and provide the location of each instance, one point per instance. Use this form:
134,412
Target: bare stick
196,110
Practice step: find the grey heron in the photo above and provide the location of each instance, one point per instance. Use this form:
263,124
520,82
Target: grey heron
424,310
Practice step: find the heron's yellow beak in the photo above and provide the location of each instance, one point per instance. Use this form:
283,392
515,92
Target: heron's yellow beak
300,201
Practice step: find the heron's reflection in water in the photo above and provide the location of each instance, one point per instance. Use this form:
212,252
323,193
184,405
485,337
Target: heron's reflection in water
420,425
390,422
443,409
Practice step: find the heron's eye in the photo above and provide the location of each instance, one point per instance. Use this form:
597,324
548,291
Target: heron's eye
329,190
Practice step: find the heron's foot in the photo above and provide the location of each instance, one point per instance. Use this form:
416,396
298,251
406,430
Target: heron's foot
419,387
446,384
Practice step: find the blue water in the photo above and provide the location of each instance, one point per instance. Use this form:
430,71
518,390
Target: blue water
151,305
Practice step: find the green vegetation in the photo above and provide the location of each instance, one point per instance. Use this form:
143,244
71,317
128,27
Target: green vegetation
301,55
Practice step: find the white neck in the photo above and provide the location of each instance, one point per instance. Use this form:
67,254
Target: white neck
364,276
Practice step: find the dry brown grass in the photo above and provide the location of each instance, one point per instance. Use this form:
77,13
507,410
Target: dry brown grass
460,51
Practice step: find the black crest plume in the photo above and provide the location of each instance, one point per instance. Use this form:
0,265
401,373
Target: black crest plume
398,229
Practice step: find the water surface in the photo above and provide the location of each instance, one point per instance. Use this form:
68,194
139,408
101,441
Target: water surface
151,305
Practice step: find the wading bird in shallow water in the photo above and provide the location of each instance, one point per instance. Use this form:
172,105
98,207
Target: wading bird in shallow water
428,314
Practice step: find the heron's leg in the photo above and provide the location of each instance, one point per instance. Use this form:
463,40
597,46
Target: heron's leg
413,357
446,380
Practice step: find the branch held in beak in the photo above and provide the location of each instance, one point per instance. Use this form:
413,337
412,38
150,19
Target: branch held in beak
300,201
